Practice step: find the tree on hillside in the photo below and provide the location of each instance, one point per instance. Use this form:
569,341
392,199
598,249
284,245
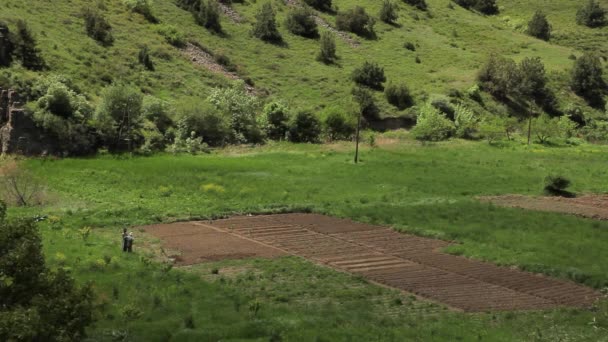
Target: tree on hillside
327,54
533,84
265,26
419,4
539,26
370,75
499,76
276,120
301,21
144,58
208,15
587,81
357,21
304,127
398,95
388,12
591,15
98,27
119,115
37,304
26,50
483,6
6,45
321,5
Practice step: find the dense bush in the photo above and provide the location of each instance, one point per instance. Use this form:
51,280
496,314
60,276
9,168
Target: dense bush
539,26
556,185
25,48
432,125
98,27
275,120
337,124
172,35
265,26
241,108
419,4
205,120
388,12
185,142
143,7
465,121
145,59
119,116
65,116
370,75
327,52
483,6
208,15
304,127
443,105
596,131
410,46
357,21
587,79
300,21
591,15
321,5
398,95
158,112
546,128
499,76
37,304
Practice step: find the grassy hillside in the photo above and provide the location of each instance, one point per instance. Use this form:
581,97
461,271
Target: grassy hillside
451,44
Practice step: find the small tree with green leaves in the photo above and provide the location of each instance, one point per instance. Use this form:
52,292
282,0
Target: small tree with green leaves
432,125
321,5
327,53
539,26
119,115
370,75
265,26
398,95
304,127
388,12
419,4
591,15
98,27
276,120
208,16
144,58
357,21
25,48
586,79
301,21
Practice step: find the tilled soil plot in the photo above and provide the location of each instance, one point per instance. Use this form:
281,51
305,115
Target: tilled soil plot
591,206
410,263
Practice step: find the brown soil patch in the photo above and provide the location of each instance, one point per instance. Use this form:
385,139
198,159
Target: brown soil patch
382,255
198,243
591,206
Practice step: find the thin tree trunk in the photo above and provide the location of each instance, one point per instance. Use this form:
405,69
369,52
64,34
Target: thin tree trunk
529,129
357,138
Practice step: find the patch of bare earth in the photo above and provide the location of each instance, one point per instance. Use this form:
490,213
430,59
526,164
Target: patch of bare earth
591,206
382,255
230,12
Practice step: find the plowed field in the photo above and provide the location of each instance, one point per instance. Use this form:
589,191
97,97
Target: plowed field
380,254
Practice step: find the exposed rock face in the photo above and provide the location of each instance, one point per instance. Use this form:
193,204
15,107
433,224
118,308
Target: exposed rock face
18,133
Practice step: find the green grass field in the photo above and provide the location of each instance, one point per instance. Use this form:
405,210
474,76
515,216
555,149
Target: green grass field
427,190
451,43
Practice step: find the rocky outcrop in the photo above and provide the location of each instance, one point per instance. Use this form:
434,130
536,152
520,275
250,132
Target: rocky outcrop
18,132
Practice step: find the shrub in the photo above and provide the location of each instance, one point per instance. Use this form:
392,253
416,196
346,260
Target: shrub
321,5
465,121
172,35
432,125
300,21
388,12
419,4
365,100
304,128
157,112
586,79
119,115
556,185
185,143
265,26
25,49
539,26
327,53
336,124
442,103
38,304
18,186
596,131
410,46
144,58
208,15
398,95
369,74
6,45
483,6
98,27
591,15
276,120
499,76
142,7
474,93
206,121
357,21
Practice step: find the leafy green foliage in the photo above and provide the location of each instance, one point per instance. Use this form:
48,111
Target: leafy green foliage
25,48
432,125
235,103
143,7
398,95
265,26
304,127
321,5
327,52
539,26
337,124
370,75
591,15
465,121
172,35
6,45
276,120
357,21
483,6
388,12
300,21
499,76
208,15
145,59
37,304
98,27
419,4
119,116
556,185
587,79
205,120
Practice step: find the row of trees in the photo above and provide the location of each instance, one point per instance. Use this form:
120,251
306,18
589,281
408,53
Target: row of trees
20,46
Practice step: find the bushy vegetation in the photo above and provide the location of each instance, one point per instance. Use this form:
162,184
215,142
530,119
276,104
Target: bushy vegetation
327,52
300,21
483,6
119,117
556,185
145,59
370,74
304,127
276,118
539,26
587,79
432,125
20,46
265,26
172,35
388,12
321,5
419,4
357,21
97,26
143,7
208,15
398,95
591,14
337,124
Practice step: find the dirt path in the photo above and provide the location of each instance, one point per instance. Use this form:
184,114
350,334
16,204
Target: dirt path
200,57
382,255
230,12
345,36
591,206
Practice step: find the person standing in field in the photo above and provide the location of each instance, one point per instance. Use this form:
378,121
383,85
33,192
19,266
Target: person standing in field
124,239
